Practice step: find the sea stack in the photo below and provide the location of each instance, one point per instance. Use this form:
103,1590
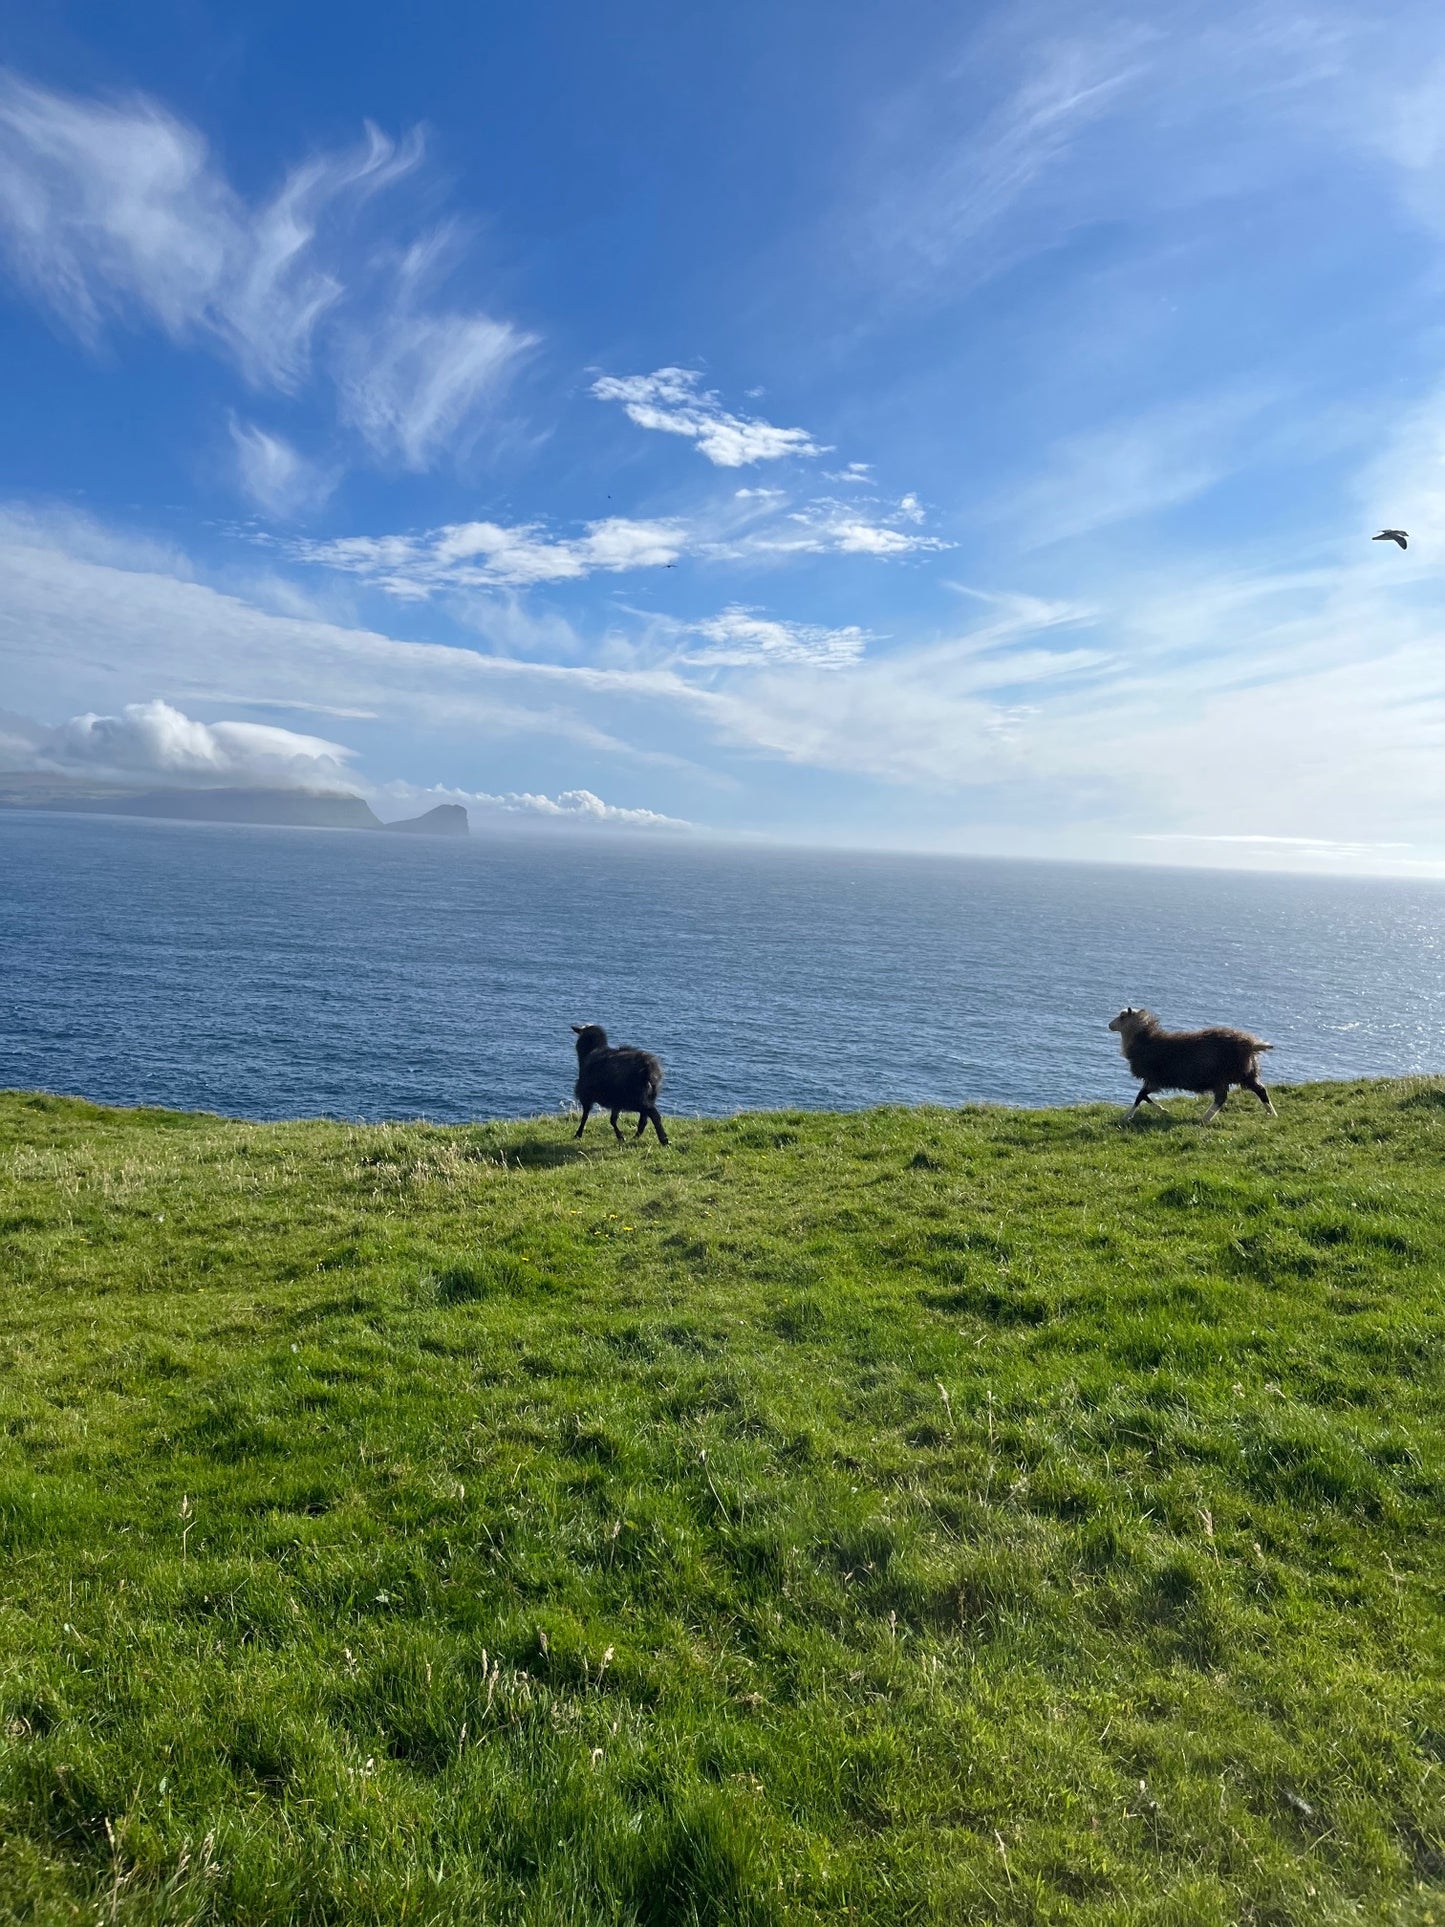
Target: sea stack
447,819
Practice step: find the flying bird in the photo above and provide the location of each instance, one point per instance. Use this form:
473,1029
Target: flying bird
1402,536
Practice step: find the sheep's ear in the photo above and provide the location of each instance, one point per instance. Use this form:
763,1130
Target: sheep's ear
579,1028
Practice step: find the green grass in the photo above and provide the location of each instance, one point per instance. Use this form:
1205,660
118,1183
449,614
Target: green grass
977,1516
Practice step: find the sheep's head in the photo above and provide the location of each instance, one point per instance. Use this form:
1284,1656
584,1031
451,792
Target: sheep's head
590,1037
1130,1022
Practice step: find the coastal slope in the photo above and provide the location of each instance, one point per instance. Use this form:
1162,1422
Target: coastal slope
957,1516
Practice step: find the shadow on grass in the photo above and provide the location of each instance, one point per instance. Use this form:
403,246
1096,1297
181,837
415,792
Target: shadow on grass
1157,1118
539,1153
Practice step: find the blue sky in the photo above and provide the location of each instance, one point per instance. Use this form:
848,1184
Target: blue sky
920,427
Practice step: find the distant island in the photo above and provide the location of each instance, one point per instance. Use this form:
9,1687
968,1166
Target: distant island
305,809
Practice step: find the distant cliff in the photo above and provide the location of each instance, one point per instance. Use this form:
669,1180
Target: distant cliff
301,809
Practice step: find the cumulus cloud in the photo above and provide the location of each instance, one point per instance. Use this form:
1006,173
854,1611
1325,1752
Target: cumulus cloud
155,741
673,401
117,212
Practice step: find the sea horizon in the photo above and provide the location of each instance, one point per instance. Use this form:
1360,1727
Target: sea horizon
291,973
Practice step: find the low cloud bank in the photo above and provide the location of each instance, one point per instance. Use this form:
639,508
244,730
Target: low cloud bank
568,806
155,745
160,744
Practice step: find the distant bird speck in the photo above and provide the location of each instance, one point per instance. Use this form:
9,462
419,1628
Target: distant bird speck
1402,536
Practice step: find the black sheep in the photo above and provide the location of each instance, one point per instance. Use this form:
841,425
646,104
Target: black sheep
1189,1060
616,1078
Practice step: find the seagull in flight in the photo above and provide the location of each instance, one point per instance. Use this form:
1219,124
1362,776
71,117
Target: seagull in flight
1402,536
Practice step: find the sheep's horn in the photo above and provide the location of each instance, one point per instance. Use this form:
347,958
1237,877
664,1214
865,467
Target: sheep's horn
579,1028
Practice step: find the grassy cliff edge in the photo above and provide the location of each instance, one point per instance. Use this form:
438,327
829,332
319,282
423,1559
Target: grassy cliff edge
921,1515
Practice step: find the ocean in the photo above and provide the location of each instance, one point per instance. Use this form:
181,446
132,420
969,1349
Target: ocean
271,973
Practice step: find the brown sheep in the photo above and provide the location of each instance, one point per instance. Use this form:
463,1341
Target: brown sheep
1189,1060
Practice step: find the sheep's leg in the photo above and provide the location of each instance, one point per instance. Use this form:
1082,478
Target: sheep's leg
615,1131
1144,1097
1253,1084
656,1117
1221,1098
586,1113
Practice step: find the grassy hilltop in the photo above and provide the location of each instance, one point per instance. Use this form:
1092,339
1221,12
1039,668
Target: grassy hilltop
921,1516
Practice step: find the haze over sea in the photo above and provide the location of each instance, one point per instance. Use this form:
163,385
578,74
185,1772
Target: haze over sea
289,973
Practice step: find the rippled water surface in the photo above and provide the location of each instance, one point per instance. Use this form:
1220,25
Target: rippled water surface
281,973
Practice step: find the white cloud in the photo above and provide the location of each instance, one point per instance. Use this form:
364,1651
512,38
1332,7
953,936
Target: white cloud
76,630
157,741
1314,846
278,479
1048,119
940,716
947,168
1315,711
413,376
1135,467
742,637
580,807
480,555
754,524
672,400
116,211
154,743
833,528
410,384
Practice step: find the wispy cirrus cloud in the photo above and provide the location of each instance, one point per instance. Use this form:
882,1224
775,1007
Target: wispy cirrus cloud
116,213
412,378
276,476
1135,466
946,169
674,401
742,637
1049,120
